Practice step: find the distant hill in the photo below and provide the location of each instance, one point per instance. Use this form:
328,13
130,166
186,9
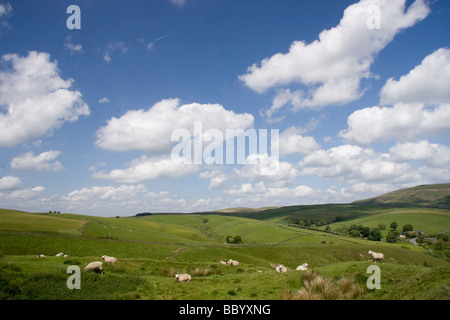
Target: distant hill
430,196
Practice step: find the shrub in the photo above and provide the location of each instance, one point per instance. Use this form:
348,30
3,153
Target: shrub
391,237
319,288
408,227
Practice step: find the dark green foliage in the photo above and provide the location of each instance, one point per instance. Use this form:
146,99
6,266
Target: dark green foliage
408,227
234,240
391,237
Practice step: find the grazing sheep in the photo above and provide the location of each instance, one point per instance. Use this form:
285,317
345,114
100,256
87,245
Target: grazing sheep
376,256
40,256
233,262
182,277
96,267
66,255
60,254
280,268
109,259
302,267
222,262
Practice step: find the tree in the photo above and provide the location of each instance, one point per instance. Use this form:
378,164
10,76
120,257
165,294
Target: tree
354,233
234,240
391,237
394,225
375,235
408,227
365,232
381,226
237,239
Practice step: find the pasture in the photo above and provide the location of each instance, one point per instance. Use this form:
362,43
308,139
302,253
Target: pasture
152,249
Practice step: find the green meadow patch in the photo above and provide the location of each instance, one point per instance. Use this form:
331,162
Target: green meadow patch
152,249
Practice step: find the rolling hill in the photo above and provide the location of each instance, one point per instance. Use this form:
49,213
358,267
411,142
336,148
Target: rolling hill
430,196
152,248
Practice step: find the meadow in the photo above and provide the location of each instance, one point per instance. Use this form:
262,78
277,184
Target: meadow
152,249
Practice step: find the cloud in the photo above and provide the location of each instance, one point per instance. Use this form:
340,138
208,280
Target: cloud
106,193
10,183
103,100
42,162
355,164
332,67
246,188
291,142
5,9
151,130
262,167
432,154
427,83
26,194
148,168
178,3
34,100
217,178
402,121
5,12
420,105
114,46
72,48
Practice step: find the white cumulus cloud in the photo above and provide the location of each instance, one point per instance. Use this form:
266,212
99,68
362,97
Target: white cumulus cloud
332,67
427,83
402,121
148,168
42,162
151,130
34,99
10,183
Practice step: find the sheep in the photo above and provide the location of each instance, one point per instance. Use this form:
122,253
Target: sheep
60,254
233,262
376,256
96,267
66,255
109,259
40,256
222,262
280,269
182,277
302,267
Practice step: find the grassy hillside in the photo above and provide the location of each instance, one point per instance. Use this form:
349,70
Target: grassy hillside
432,196
430,221
152,249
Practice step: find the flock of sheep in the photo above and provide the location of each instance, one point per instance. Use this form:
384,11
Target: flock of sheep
97,266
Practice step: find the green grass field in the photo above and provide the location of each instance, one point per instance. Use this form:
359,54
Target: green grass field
152,249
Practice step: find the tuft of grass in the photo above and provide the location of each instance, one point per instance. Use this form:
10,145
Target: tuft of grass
317,287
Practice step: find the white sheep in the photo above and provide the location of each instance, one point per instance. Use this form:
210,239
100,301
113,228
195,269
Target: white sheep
40,256
182,277
96,266
302,267
376,256
109,259
233,262
222,262
60,254
280,268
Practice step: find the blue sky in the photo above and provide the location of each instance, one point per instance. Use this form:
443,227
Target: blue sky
359,91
